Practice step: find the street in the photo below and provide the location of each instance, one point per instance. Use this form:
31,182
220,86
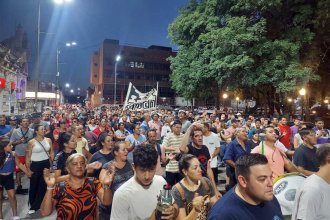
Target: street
22,206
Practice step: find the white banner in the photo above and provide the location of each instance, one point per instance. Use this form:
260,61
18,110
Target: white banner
138,100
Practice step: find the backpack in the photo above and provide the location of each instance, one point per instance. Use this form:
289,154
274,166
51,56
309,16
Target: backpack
60,193
182,194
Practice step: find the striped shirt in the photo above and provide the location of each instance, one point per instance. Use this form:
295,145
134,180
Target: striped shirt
172,140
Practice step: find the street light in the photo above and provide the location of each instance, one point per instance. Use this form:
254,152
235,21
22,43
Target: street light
67,85
302,92
326,101
38,43
71,90
237,100
224,96
289,99
115,87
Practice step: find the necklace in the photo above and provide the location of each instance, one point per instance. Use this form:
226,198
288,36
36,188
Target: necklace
189,187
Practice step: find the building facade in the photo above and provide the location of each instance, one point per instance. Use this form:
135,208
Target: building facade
143,67
13,72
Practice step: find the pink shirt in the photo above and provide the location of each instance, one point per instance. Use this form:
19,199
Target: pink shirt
156,125
276,159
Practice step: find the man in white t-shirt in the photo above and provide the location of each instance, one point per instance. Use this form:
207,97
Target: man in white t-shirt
137,198
313,197
212,142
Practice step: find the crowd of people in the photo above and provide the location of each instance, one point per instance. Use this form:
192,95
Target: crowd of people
109,163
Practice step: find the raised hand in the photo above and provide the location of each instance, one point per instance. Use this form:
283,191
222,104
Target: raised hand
109,175
49,178
96,165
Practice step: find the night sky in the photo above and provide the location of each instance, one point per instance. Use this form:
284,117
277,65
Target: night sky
88,22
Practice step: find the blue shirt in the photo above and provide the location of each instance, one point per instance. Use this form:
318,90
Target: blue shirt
4,129
9,164
131,139
232,207
234,150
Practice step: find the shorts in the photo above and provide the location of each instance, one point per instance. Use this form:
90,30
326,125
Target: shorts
7,181
22,160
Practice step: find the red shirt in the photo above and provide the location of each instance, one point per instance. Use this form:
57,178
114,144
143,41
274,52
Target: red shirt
286,134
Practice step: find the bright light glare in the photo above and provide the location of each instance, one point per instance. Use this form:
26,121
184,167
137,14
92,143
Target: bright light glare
73,43
71,91
237,98
302,92
225,96
67,85
60,2
289,99
118,58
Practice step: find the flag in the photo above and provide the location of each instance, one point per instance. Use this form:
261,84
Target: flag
2,83
138,100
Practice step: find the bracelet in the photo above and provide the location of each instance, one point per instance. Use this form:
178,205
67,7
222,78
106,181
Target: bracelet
106,186
50,188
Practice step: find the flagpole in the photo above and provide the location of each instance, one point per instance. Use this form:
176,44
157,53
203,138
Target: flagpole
127,95
156,97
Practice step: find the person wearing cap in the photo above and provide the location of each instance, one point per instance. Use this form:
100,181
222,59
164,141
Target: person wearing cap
36,120
171,144
185,122
13,123
156,124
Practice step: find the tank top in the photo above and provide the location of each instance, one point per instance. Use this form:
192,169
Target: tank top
38,152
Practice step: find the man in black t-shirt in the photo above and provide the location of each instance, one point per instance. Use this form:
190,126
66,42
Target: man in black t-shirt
305,155
197,148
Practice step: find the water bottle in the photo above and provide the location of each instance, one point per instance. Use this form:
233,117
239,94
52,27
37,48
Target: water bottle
164,201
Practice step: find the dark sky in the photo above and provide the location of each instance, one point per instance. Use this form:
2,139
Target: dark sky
88,22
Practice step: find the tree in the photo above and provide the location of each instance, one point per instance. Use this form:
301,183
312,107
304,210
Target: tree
241,44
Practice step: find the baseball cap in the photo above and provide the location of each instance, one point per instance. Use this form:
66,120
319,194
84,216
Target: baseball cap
234,120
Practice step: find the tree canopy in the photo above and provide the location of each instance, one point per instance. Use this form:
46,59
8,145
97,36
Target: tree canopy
267,45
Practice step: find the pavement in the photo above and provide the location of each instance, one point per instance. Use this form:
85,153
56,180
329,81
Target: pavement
22,206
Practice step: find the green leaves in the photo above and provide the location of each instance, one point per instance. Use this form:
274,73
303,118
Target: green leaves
240,43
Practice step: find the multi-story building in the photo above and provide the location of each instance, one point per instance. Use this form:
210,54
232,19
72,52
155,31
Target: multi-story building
143,67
